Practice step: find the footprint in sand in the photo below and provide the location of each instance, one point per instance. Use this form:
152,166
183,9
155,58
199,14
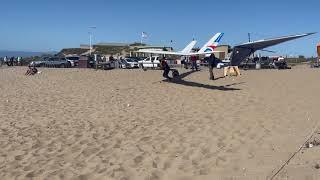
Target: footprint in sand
137,160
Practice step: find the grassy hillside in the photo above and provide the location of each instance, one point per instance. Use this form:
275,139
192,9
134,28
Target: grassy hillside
77,51
111,49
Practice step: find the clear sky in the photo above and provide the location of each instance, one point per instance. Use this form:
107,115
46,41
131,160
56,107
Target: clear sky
46,25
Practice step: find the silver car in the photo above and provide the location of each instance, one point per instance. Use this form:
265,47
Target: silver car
73,60
129,63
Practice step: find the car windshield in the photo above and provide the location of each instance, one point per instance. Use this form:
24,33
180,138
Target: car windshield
129,60
73,58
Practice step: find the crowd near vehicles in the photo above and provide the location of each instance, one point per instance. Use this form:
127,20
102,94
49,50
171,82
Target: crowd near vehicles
207,49
239,52
264,63
237,57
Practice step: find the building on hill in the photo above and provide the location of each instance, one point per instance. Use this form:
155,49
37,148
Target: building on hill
113,44
84,46
122,49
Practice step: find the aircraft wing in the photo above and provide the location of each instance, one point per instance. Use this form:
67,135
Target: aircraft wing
162,52
243,51
203,53
177,53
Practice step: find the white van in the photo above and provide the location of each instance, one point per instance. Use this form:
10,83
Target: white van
150,62
73,60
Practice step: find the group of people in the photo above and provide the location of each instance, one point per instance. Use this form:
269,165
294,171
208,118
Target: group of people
280,63
212,62
193,60
12,61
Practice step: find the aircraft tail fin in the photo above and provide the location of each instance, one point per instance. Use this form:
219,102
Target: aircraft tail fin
189,47
212,43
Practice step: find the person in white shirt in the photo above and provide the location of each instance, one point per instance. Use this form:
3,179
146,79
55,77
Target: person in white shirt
19,60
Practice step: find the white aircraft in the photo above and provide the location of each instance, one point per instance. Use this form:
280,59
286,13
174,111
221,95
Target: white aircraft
208,48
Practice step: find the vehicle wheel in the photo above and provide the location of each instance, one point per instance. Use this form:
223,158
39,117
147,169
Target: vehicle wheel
62,66
175,74
69,65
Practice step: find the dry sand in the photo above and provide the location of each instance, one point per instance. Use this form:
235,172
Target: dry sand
130,125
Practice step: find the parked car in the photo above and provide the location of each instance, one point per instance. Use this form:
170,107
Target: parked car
73,60
57,62
128,63
39,63
222,63
150,62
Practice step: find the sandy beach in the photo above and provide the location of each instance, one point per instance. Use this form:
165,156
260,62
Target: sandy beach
131,125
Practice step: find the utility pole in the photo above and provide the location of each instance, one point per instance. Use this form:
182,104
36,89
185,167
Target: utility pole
91,28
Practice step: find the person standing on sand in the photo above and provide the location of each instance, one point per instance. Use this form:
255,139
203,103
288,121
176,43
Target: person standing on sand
111,59
1,62
194,63
211,64
19,61
5,59
11,61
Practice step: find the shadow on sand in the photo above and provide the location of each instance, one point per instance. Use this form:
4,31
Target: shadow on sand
180,81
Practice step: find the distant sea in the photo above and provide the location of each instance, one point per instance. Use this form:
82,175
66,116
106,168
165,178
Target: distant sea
22,53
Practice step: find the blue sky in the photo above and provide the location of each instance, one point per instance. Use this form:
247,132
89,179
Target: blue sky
46,25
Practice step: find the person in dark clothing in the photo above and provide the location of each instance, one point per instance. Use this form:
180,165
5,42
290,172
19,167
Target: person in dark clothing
194,63
111,59
11,61
31,71
211,65
184,62
166,68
